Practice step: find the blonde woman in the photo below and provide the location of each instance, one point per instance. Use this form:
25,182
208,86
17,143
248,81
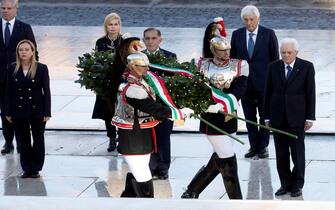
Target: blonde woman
110,41
28,106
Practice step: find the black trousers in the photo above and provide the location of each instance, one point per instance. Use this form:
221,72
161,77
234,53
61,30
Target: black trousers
7,130
252,102
32,153
111,129
286,147
160,161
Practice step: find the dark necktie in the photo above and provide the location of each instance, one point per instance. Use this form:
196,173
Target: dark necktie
251,44
7,34
289,71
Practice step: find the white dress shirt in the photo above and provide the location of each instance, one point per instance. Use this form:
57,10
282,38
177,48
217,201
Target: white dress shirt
254,37
291,64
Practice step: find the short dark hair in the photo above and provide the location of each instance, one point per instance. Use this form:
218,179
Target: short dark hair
152,29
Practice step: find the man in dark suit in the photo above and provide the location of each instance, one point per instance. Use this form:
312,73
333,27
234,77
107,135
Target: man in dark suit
12,32
259,47
160,161
289,105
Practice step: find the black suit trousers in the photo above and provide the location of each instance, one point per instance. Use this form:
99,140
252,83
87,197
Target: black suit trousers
286,147
7,127
160,161
252,103
31,154
7,130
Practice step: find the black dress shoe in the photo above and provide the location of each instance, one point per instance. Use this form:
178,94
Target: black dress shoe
7,149
112,145
35,175
263,153
163,176
251,153
25,175
281,191
296,193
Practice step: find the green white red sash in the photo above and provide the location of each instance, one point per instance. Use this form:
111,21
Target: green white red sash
158,85
228,101
172,70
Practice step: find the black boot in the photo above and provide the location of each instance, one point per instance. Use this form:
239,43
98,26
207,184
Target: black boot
112,145
129,190
202,179
228,170
143,189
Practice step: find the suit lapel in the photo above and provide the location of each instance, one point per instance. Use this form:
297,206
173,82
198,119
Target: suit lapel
258,40
14,33
282,71
244,43
295,70
1,35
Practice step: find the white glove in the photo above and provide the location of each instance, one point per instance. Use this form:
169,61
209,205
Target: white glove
186,112
215,108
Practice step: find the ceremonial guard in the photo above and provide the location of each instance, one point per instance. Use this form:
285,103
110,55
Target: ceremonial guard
229,76
137,113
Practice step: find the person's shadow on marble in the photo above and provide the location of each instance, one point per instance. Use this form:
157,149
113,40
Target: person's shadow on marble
15,185
260,185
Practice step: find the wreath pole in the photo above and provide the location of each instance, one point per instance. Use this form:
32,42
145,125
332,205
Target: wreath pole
260,125
218,129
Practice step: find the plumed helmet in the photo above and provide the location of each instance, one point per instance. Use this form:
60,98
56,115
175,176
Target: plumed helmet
219,43
138,58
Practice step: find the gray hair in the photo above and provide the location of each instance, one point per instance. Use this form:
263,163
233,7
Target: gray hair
249,9
292,41
14,2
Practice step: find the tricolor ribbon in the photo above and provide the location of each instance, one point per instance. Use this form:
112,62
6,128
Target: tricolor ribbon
158,85
228,101
172,70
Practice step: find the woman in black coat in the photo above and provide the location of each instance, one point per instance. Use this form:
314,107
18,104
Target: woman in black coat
104,109
28,106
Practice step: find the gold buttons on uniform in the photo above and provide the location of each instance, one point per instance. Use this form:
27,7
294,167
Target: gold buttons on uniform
30,98
29,89
34,106
20,106
21,98
33,80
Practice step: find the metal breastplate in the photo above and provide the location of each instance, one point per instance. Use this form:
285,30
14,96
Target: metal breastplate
125,113
220,77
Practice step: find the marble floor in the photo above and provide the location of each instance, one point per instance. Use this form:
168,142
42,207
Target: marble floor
78,166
